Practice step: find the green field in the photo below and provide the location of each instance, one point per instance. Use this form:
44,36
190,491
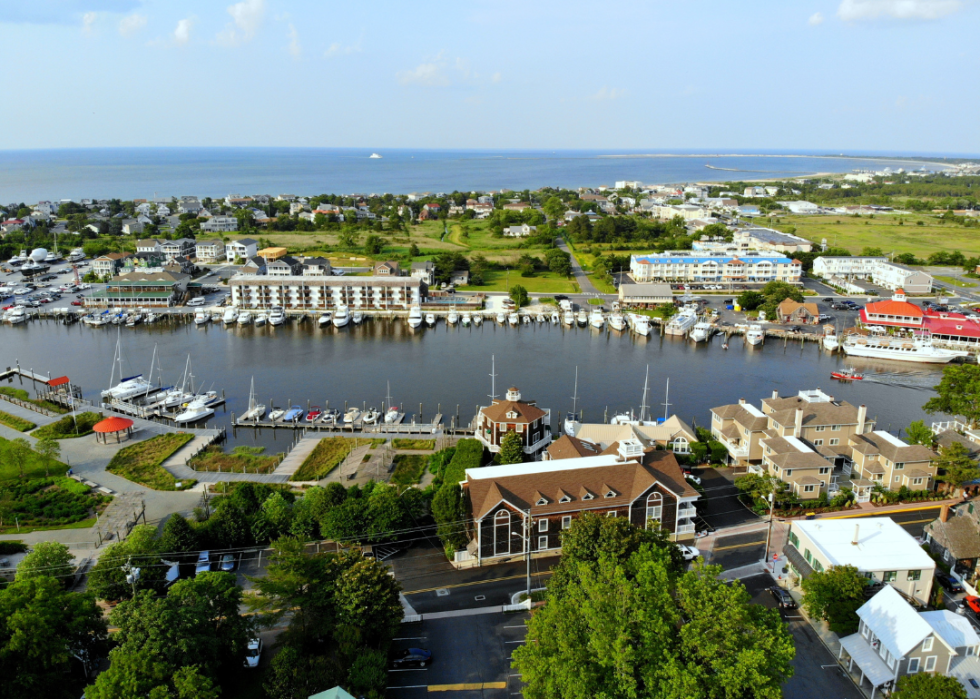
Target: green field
953,281
35,465
327,455
141,462
884,232
540,283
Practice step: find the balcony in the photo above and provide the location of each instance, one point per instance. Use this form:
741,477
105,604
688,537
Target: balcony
687,511
685,529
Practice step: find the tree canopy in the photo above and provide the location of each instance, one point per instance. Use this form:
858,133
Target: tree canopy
928,685
958,393
835,595
955,465
48,559
511,449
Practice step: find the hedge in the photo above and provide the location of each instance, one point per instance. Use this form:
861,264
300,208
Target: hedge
469,454
16,423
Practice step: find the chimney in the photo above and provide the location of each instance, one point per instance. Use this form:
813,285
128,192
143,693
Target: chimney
944,513
854,541
798,426
775,395
741,401
862,418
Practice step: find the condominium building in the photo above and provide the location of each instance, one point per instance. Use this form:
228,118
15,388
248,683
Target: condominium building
296,292
689,266
847,267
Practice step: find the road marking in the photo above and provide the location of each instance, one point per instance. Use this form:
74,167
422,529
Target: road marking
412,669
515,627
738,546
411,686
521,641
411,638
520,576
466,685
888,512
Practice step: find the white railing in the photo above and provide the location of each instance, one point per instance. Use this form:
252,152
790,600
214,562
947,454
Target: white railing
756,469
685,529
686,512
955,425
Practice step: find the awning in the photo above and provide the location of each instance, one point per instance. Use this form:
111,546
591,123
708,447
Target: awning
867,659
60,381
796,559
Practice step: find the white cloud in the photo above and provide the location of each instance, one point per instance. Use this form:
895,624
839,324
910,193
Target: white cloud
182,34
131,24
246,18
442,71
815,19
495,78
295,48
607,93
336,49
857,10
432,74
88,21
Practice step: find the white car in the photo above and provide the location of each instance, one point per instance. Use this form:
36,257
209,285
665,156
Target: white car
688,552
253,653
197,301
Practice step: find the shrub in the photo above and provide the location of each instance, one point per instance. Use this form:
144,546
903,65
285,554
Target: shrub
16,423
65,428
11,547
141,462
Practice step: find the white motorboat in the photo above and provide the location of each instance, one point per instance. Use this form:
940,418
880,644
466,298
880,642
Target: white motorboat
18,259
502,317
341,316
681,323
568,318
903,349
540,317
357,318
277,316
244,318
596,320
153,318
514,318
464,319
415,317
134,319
261,319
831,343
32,268
477,319
76,255
430,319
617,322
555,318
526,320
701,331
277,414
325,318
371,416
640,324
582,317
255,410
215,317
754,335
202,318
230,315
453,317
351,415
17,314
197,409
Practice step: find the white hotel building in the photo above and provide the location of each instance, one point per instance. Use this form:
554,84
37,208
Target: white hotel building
691,266
297,293
847,267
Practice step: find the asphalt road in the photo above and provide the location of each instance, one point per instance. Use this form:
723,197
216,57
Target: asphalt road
722,507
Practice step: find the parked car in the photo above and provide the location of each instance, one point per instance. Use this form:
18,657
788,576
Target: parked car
949,583
689,553
76,303
973,603
253,653
203,562
828,300
783,598
691,477
228,563
417,657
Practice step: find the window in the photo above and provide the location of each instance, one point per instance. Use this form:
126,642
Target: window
542,543
654,507
927,645
610,494
542,525
914,575
930,663
794,539
835,428
817,565
913,665
969,508
889,576
898,478
864,629
834,442
824,471
611,513
818,442
808,556
588,496
789,472
918,481
566,522
821,428
899,466
541,501
808,488
565,498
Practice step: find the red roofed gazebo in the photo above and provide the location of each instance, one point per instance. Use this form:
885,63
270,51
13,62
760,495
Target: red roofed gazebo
113,425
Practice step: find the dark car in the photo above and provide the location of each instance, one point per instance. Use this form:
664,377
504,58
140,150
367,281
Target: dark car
560,297
411,657
949,583
783,598
828,300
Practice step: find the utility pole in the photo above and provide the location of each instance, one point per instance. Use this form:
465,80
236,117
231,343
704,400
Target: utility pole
527,553
772,504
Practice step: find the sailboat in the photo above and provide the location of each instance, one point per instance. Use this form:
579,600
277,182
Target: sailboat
573,417
127,386
255,410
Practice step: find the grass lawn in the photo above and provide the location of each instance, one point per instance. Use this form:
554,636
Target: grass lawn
16,423
884,232
954,281
242,459
140,462
65,428
541,283
47,503
409,468
35,466
21,394
326,456
413,443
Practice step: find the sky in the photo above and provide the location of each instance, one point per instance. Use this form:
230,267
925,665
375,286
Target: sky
863,76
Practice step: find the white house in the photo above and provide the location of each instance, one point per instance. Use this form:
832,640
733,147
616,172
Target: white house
209,251
800,207
859,267
220,224
244,248
521,231
892,275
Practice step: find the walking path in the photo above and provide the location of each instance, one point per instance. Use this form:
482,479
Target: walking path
295,458
585,284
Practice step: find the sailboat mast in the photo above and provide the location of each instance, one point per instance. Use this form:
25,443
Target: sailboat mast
493,377
643,403
575,396
667,399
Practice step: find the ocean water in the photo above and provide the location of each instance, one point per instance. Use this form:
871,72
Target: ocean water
132,173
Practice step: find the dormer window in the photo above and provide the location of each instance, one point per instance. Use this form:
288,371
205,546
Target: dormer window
588,496
541,502
565,498
511,415
610,494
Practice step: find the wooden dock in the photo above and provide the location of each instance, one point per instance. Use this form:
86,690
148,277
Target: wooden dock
356,427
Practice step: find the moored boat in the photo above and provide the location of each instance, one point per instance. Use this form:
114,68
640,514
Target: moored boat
341,316
754,335
903,349
415,317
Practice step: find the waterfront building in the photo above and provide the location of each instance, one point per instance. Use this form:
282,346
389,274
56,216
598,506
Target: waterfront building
673,434
847,267
877,546
527,506
950,328
512,414
209,251
890,463
790,311
244,248
688,266
896,312
644,295
220,224
954,537
771,240
297,292
892,275
109,264
156,289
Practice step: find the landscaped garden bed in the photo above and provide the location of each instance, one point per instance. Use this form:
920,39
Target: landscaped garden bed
242,459
22,395
69,427
16,423
141,462
409,468
47,503
327,455
420,444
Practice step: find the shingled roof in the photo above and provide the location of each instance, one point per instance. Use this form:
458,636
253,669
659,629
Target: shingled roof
525,412
571,447
894,451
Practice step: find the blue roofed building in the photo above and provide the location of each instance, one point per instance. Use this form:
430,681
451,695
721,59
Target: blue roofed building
725,267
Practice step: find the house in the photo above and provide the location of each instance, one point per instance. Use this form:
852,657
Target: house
644,295
877,546
220,224
181,247
523,508
109,264
272,253
237,201
800,207
244,248
514,415
296,208
672,434
790,311
954,536
316,267
425,271
132,227
771,240
254,266
387,269
894,640
516,206
890,463
892,275
847,267
285,266
209,251
567,447
687,212
149,245
460,277
189,205
521,231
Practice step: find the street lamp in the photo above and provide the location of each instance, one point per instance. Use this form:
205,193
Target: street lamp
526,540
772,504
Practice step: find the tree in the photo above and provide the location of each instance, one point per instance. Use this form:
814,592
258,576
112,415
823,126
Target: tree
559,262
49,449
511,449
17,451
48,559
413,250
955,465
450,513
918,433
107,579
366,599
872,252
927,685
41,628
554,208
835,595
178,535
958,393
750,300
374,244
518,295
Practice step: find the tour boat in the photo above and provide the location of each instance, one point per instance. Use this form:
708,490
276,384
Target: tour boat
453,317
681,323
277,316
351,415
415,317
616,321
902,349
430,319
230,315
202,318
341,316
754,335
846,375
325,318
314,414
244,318
701,331
596,319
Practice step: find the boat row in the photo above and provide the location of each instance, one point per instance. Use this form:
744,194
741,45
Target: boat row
321,416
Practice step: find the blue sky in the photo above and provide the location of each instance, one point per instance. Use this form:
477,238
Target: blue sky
833,75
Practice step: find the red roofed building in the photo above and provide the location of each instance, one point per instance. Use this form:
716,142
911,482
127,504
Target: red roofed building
896,312
953,328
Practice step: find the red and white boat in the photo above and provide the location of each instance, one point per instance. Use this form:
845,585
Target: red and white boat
846,375
314,413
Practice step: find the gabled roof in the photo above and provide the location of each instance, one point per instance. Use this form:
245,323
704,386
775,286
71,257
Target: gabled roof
891,447
891,307
745,415
955,629
566,447
896,624
526,412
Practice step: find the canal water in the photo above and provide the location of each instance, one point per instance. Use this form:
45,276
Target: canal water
446,369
